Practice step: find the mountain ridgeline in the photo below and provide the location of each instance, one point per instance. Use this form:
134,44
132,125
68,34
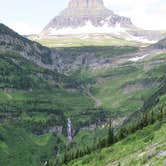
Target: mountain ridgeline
92,17
79,12
161,44
9,40
61,60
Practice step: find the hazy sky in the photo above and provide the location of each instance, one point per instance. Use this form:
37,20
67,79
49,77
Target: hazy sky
30,16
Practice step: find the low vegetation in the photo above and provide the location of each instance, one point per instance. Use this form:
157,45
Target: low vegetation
34,101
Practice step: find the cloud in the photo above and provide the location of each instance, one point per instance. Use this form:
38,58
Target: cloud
24,28
148,14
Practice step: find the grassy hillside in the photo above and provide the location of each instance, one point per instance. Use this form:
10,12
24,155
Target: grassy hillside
19,147
36,102
154,110
99,40
131,83
33,101
98,51
145,147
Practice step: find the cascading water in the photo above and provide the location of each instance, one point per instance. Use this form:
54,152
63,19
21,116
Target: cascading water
69,129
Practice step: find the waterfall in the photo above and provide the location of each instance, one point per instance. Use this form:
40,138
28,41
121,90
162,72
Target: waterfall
69,129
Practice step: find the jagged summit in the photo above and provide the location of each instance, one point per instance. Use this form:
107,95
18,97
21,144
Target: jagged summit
86,16
83,9
82,17
98,4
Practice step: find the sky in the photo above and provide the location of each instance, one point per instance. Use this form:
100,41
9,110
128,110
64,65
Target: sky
31,16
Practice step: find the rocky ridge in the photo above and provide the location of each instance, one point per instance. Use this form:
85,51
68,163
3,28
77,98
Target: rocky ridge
66,60
92,17
79,13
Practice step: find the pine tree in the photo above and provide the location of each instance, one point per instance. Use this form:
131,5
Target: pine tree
94,138
122,133
65,156
160,116
152,119
110,139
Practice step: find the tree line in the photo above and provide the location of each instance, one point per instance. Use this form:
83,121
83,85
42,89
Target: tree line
146,119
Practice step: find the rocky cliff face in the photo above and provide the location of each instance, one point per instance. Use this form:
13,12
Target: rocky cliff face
80,13
66,59
86,4
92,17
53,59
11,41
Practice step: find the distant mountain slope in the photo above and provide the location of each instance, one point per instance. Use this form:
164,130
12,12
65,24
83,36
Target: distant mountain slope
161,44
70,59
84,40
54,59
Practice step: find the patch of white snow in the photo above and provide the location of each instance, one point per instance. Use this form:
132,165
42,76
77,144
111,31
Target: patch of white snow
137,58
141,39
88,28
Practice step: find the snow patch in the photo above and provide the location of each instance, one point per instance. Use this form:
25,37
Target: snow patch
137,58
88,28
141,39
108,18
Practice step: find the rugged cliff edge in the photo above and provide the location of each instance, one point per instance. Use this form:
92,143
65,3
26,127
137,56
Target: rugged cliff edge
92,17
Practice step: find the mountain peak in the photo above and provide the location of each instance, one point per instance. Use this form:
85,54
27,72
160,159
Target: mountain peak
86,4
86,16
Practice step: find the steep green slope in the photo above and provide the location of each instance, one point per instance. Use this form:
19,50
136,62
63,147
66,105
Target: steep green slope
35,101
11,41
98,51
154,109
130,83
34,106
19,147
22,79
145,147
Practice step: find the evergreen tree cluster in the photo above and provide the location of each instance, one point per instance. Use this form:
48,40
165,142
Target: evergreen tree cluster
146,119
